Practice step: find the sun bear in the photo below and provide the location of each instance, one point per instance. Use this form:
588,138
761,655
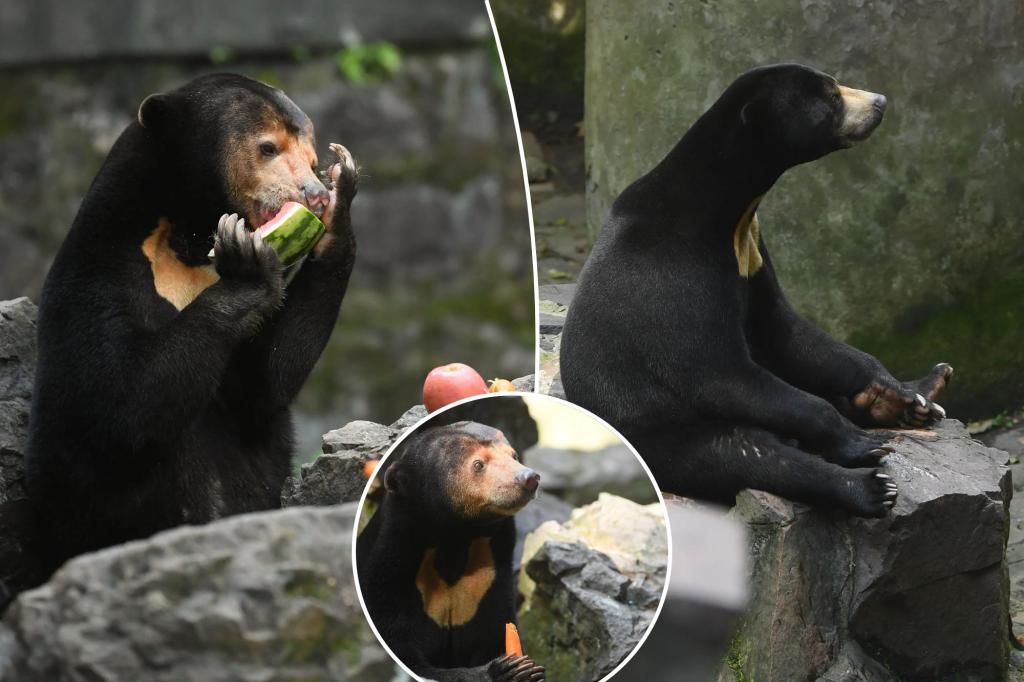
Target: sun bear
164,379
435,560
680,336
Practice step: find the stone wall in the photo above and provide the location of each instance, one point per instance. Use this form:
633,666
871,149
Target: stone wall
910,245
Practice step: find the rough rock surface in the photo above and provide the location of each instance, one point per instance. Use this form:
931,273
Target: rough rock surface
706,595
261,597
337,475
554,300
17,370
921,595
592,586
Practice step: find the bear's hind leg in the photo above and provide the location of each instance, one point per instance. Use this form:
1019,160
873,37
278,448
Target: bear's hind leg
715,462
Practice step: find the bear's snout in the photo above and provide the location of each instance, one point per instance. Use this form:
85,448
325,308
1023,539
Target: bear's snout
529,479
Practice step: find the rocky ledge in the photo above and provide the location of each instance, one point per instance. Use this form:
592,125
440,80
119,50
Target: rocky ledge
265,596
919,595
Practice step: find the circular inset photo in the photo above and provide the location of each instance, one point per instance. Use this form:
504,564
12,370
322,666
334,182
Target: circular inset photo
515,538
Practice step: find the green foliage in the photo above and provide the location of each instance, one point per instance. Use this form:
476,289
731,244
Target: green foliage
736,660
221,54
369,63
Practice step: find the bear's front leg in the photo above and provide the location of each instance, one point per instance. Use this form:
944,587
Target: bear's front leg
278,361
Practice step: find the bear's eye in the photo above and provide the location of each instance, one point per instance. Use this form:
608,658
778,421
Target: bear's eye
478,465
268,149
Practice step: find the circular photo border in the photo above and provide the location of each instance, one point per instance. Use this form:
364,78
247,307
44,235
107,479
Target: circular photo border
539,397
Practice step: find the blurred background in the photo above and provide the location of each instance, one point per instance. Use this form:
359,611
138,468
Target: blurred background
413,89
909,246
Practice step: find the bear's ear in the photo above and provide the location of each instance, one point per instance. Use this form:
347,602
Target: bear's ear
156,110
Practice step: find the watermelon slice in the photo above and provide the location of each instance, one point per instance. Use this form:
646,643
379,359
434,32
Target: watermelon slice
291,233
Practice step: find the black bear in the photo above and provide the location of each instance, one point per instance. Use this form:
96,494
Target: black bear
435,560
164,380
680,336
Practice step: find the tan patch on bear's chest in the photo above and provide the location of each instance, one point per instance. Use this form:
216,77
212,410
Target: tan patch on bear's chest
174,281
745,241
450,605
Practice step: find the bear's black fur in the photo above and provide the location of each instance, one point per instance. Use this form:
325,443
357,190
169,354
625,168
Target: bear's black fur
164,382
435,560
680,336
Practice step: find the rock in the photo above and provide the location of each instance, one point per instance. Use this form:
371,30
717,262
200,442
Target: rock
266,596
554,300
524,384
409,418
337,475
545,507
894,206
365,437
579,477
706,595
921,594
329,479
17,371
592,586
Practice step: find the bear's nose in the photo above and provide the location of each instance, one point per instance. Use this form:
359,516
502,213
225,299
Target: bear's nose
879,103
315,195
529,479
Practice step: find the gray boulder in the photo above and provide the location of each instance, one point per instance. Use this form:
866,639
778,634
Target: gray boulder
919,595
337,475
17,370
592,586
259,597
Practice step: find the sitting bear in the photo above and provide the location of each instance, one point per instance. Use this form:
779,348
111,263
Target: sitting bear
164,380
435,560
680,336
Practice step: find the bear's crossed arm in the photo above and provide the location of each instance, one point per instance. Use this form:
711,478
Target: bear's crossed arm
733,387
809,358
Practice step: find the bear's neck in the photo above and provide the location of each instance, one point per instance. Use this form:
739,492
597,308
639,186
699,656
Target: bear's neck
426,530
710,178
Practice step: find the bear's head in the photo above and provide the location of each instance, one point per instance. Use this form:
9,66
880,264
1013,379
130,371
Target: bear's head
461,472
793,114
237,145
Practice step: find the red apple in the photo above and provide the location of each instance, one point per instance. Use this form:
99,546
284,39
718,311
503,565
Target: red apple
448,383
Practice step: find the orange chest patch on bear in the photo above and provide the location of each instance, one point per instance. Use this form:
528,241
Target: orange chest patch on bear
745,240
174,281
448,604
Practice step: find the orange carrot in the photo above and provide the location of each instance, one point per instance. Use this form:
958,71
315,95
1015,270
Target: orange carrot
513,647
369,468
